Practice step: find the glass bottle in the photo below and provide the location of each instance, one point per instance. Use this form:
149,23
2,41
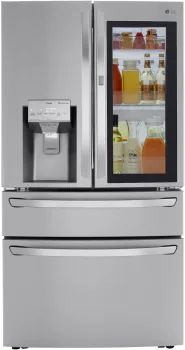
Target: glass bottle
130,82
126,41
133,150
123,129
117,83
147,81
117,147
160,80
116,42
151,38
139,41
153,153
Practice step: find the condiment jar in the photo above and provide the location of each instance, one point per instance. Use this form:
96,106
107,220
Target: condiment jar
126,41
151,38
139,41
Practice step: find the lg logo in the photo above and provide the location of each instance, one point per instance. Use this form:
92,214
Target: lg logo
170,12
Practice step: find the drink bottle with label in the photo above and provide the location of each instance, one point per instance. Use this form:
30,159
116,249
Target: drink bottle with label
117,147
160,80
147,82
133,150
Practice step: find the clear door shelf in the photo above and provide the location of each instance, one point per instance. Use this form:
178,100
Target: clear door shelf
139,112
140,106
122,52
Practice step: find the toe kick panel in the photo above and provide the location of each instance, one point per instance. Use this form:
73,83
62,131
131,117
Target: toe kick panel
92,293
87,214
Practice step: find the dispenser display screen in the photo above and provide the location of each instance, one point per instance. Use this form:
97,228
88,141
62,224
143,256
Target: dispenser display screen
49,111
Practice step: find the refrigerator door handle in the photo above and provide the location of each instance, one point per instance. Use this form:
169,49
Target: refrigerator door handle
86,96
63,252
58,203
100,128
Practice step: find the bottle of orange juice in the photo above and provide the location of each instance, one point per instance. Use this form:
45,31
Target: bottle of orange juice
131,82
153,153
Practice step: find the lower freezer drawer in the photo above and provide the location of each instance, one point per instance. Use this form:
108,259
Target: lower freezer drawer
92,214
92,293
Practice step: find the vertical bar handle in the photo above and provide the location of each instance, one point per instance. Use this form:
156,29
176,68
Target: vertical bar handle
100,97
86,96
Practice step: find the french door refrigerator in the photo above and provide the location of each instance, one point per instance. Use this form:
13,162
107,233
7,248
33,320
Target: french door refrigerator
92,141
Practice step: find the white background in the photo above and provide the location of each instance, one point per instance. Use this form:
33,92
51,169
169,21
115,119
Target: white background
1,287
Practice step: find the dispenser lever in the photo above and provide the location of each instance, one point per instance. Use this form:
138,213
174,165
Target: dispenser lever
51,139
51,144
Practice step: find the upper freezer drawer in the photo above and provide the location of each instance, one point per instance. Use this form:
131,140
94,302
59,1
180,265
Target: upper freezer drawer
46,94
92,293
92,214
138,94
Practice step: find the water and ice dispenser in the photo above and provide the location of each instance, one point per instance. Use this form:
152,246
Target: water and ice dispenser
49,136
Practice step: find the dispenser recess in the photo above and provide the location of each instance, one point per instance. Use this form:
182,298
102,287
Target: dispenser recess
51,126
46,117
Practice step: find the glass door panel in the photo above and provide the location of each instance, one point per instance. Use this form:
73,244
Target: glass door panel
141,101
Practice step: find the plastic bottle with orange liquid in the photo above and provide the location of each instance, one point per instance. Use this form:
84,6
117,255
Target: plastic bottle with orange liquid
131,91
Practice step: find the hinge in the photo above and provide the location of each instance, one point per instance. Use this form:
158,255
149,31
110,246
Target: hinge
22,189
174,188
161,189
171,188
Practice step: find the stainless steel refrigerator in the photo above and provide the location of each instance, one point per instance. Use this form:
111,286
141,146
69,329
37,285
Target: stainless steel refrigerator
92,170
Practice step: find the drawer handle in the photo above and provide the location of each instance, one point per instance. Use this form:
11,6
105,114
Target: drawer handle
60,252
58,203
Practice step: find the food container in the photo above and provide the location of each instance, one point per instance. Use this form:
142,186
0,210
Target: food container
139,41
116,42
131,93
126,41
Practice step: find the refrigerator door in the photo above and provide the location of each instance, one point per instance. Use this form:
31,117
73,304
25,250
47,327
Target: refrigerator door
46,88
138,94
93,293
141,214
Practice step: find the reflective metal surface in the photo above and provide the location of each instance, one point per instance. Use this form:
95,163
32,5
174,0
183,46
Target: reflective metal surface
146,203
46,54
100,108
92,214
86,96
29,251
98,301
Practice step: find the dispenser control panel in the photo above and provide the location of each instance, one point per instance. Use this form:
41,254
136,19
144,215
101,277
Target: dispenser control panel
49,111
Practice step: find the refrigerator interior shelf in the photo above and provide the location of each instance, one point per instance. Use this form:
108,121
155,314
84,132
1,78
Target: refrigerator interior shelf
120,53
139,112
156,107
